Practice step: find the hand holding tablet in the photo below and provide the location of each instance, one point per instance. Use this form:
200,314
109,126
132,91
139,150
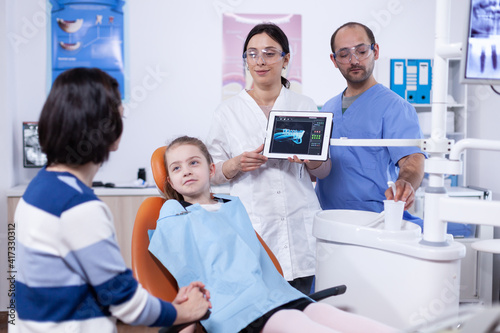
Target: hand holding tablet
304,134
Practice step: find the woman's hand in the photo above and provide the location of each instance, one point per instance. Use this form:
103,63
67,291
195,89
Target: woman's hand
182,294
192,303
247,161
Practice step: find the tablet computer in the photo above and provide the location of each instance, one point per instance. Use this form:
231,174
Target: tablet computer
302,133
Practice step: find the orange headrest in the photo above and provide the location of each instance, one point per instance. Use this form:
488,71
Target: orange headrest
158,168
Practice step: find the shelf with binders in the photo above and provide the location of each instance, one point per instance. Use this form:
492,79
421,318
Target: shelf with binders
456,116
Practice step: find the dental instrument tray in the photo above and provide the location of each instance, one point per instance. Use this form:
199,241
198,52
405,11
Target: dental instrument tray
305,134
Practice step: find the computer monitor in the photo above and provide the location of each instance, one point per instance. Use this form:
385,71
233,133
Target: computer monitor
32,152
481,47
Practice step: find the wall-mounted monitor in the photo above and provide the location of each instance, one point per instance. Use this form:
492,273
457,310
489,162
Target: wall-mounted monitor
481,48
32,152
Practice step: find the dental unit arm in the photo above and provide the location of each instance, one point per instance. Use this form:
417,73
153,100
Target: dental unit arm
439,208
434,255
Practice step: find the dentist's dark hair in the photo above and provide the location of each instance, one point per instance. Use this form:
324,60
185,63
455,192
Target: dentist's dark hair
368,31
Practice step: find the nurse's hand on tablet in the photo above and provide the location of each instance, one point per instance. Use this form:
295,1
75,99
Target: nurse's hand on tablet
311,165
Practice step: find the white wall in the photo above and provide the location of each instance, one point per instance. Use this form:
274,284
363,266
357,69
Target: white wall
184,47
181,41
483,120
482,166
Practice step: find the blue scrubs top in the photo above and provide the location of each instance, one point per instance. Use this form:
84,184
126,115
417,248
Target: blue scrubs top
359,175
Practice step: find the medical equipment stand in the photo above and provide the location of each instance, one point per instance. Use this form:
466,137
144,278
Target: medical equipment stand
439,208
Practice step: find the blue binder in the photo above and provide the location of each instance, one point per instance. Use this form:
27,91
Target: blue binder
398,77
412,79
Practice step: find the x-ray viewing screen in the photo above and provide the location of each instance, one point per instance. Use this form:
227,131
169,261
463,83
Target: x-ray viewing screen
33,156
305,134
480,60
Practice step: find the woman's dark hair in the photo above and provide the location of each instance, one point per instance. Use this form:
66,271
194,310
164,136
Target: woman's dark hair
81,117
368,31
275,32
180,141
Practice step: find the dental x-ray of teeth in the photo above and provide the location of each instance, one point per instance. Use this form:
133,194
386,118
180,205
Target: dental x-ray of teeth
484,40
286,134
293,138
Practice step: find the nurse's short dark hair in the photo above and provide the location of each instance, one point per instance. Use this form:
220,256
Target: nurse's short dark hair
368,31
81,118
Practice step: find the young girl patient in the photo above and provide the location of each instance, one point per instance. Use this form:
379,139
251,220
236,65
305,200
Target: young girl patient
210,238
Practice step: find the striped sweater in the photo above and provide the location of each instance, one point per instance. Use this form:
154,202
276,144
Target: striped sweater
71,276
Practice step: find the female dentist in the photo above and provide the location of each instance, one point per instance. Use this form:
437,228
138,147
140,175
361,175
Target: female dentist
278,194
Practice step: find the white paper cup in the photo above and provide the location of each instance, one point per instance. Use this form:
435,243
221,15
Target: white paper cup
393,214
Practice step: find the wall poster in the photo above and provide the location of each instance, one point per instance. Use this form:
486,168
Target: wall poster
88,33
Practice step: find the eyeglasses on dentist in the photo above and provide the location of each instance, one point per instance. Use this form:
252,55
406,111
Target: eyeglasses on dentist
360,52
269,55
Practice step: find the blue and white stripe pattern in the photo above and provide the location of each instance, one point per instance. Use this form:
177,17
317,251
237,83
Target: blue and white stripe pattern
70,273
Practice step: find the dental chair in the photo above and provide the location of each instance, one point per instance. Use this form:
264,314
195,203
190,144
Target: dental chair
148,270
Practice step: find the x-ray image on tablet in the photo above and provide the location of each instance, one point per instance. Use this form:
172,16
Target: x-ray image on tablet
305,134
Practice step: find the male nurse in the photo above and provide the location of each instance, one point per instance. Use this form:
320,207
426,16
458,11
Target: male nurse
368,110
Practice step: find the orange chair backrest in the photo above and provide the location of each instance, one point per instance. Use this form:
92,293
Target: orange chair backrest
158,168
148,270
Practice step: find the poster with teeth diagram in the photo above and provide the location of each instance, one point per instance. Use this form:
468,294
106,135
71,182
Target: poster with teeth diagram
88,33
